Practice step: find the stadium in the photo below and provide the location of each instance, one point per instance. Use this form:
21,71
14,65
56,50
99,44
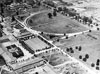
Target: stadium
57,24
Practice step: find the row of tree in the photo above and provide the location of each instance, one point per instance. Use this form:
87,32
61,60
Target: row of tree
50,3
72,13
50,15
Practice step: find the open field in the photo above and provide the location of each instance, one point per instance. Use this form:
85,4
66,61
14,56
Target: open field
90,8
71,68
82,45
58,24
56,58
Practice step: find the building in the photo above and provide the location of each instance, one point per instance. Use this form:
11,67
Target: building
25,66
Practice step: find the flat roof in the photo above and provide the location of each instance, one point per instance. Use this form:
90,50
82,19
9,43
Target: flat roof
25,63
42,70
36,43
10,55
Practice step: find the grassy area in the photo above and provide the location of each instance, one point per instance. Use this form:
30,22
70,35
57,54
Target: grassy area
71,68
56,58
90,44
58,24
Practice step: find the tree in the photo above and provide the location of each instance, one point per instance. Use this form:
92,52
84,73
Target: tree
65,9
29,2
59,9
2,8
1,27
51,3
78,17
76,47
85,19
19,1
71,13
96,24
66,37
98,29
80,48
90,21
54,13
31,21
64,34
13,18
17,13
50,15
57,40
90,30
38,3
8,2
1,34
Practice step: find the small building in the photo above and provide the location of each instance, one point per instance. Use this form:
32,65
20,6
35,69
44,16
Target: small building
20,68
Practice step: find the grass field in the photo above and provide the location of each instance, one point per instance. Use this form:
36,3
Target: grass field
90,44
58,24
71,68
56,58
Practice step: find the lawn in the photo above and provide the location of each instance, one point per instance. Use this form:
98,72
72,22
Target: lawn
90,44
58,24
71,68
